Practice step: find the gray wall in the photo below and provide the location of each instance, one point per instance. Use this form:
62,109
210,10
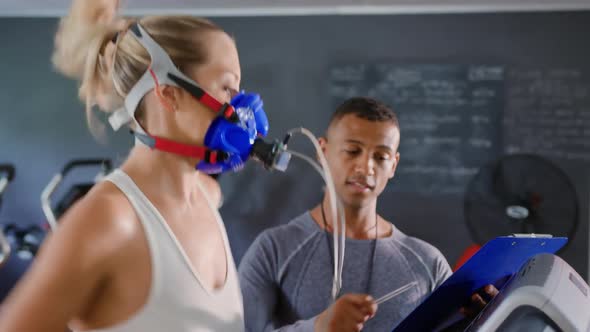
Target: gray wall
285,59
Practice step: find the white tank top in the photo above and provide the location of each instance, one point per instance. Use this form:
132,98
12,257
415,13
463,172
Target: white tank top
177,300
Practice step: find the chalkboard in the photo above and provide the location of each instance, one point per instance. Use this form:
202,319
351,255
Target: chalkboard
449,117
548,113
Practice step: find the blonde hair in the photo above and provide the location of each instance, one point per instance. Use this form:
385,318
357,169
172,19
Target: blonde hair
108,62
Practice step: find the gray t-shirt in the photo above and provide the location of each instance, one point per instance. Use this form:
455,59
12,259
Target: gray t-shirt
286,276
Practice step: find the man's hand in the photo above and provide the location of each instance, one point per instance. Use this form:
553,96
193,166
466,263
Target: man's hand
348,314
479,300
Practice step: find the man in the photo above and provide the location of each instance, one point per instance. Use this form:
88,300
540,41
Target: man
286,275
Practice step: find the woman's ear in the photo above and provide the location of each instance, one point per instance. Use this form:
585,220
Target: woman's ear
169,97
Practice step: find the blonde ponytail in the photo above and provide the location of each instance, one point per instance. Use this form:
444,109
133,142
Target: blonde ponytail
79,45
85,50
75,32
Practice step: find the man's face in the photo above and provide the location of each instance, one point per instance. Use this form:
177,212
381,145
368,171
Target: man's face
363,156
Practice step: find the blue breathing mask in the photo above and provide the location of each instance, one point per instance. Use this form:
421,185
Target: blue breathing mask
236,138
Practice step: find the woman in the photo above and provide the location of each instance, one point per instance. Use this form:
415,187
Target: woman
145,250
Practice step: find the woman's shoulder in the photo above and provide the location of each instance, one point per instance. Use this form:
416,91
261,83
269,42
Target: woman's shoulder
104,215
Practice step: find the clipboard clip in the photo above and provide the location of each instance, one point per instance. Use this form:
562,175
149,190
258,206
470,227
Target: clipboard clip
531,235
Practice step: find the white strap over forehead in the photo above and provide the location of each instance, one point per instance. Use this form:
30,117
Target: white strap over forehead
161,65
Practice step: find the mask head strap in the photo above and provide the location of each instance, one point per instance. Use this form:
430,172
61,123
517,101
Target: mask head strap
165,72
187,150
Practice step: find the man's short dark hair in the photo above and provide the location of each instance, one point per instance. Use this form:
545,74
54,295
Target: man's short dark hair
365,108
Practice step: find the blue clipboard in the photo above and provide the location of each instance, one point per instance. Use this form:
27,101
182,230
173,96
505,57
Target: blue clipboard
494,263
